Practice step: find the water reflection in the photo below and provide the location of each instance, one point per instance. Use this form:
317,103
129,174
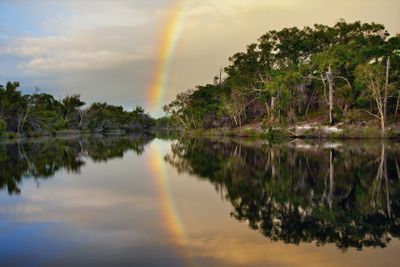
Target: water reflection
41,159
347,194
122,201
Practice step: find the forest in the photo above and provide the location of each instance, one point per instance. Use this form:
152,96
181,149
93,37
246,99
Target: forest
42,114
344,74
347,74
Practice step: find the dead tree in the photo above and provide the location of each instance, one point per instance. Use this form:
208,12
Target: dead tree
329,78
385,97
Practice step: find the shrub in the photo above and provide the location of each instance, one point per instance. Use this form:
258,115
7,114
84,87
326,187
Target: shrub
275,135
3,127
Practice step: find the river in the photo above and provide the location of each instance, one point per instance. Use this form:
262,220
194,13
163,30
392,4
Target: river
139,201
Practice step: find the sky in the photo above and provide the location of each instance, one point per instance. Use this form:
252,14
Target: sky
110,50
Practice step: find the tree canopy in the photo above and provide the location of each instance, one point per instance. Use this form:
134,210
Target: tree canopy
293,74
41,113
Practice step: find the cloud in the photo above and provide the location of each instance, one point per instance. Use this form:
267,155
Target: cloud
86,41
104,48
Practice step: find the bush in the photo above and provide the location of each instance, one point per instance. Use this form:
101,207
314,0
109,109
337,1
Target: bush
275,135
354,116
3,127
11,135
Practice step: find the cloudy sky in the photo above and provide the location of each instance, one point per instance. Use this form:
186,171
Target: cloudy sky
107,50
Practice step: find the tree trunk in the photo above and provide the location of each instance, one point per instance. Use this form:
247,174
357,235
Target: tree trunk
385,96
220,76
379,175
309,101
383,125
331,179
397,106
81,118
330,94
385,173
397,167
323,82
273,104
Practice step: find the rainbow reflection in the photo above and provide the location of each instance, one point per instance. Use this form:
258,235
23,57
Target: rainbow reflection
169,210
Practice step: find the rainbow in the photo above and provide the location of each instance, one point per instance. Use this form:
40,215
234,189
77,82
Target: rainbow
166,49
157,90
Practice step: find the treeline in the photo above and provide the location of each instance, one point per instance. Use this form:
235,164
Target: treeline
345,73
41,114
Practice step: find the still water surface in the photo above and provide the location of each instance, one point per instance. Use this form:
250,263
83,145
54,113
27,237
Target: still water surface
133,201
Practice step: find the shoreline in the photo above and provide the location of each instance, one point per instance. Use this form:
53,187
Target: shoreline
72,133
304,131
255,131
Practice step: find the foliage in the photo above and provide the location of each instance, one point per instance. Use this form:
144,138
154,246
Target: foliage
3,126
41,113
283,77
71,105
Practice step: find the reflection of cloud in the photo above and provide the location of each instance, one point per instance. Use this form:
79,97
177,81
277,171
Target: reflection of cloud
241,251
213,235
108,197
241,248
114,207
80,207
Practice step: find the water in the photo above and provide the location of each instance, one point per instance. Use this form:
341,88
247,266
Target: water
133,201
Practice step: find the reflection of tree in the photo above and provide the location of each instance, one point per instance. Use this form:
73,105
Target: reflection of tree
42,159
102,149
303,193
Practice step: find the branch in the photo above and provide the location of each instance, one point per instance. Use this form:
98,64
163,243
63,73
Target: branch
343,78
251,101
374,115
316,78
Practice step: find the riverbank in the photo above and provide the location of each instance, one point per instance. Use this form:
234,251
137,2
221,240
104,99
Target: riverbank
303,130
311,130
73,133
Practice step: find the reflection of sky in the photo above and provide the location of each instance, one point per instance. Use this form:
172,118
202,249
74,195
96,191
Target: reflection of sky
110,215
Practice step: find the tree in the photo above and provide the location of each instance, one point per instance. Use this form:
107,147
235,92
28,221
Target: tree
374,78
71,108
45,114
235,106
41,113
287,73
13,106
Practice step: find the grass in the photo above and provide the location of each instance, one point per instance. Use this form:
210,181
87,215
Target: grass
276,134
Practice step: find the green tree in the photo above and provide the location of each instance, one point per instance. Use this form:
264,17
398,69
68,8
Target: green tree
72,104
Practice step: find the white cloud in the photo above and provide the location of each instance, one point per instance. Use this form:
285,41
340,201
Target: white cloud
86,36
104,48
